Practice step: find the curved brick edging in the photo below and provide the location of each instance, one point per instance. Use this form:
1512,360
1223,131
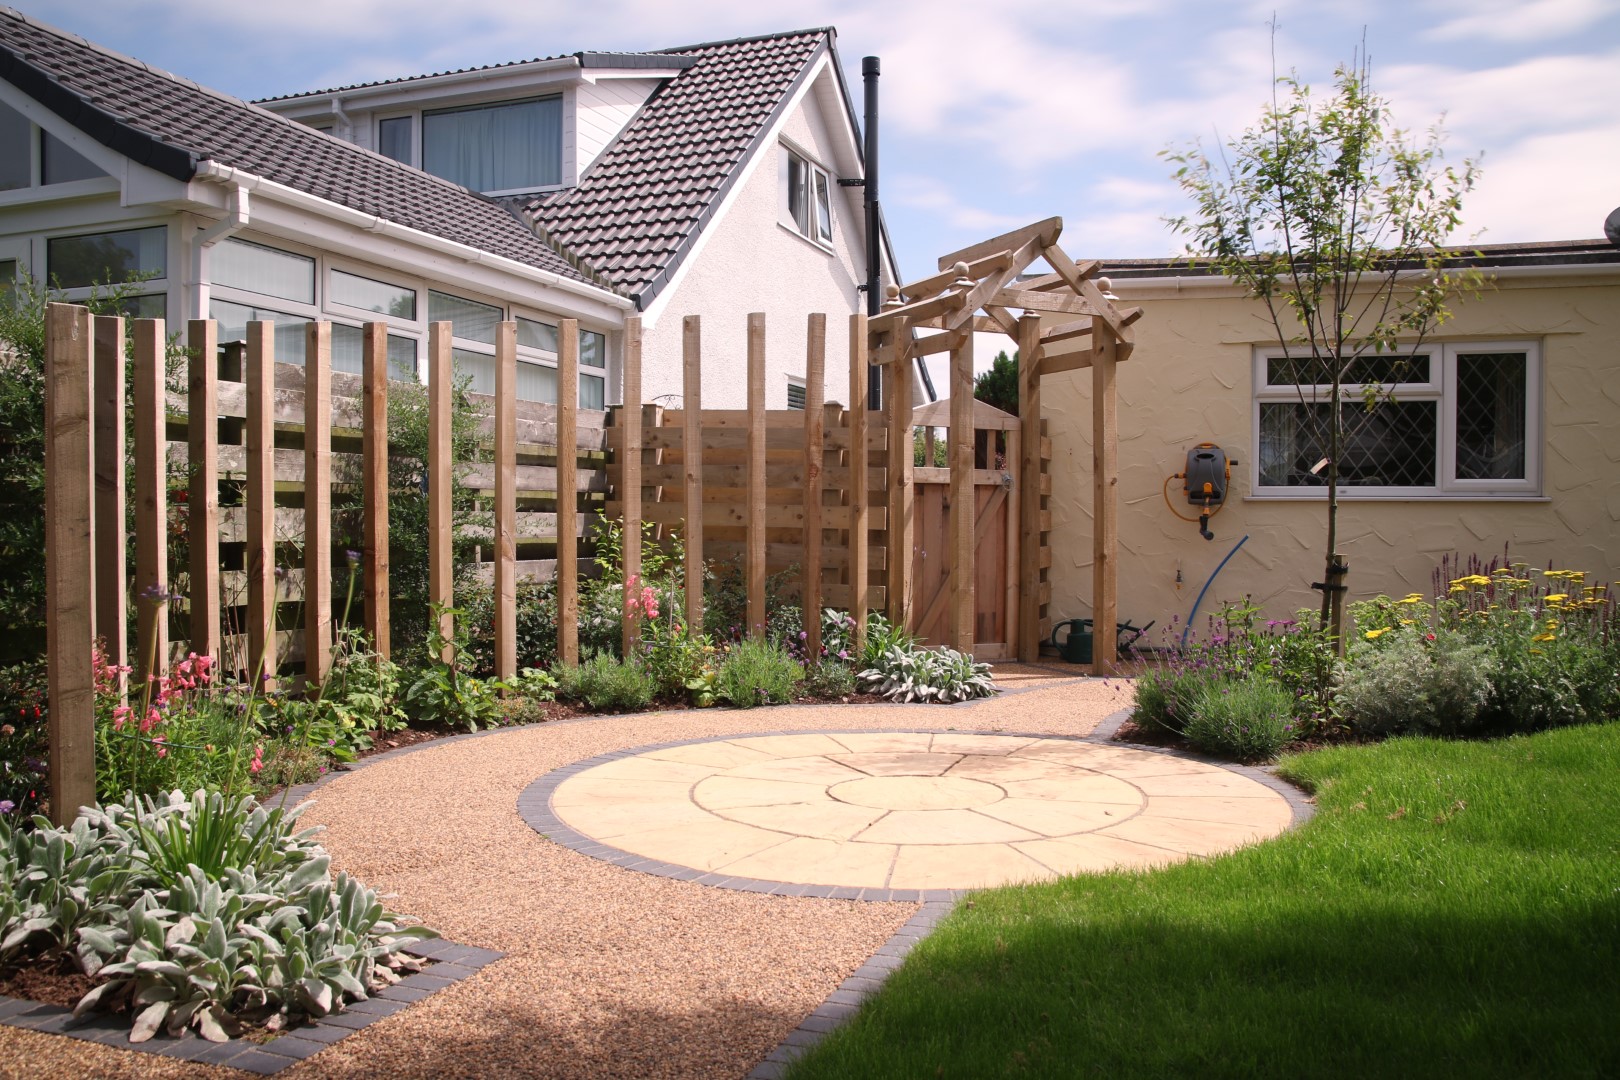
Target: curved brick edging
534,806
451,964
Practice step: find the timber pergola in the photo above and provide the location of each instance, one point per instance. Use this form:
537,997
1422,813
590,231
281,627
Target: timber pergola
1063,322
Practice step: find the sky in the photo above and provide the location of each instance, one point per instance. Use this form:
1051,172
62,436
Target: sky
997,114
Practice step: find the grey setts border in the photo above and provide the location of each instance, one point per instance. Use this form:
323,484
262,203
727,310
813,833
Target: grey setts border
534,806
451,964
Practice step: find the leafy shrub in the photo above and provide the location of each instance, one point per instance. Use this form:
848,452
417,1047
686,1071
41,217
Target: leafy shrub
672,656
184,728
838,638
536,624
725,603
536,684
605,683
24,747
444,693
1243,721
201,912
360,695
1165,694
757,673
1431,683
910,673
830,679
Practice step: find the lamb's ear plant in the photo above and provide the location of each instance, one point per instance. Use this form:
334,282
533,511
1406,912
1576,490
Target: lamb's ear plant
907,673
258,931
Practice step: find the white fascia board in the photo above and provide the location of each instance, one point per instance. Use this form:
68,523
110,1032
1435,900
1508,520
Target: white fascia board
540,76
766,149
318,222
596,75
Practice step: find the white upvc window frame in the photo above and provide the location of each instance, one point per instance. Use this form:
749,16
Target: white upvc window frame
418,128
818,182
1440,388
158,286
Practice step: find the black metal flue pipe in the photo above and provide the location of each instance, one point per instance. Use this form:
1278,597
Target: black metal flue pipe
870,69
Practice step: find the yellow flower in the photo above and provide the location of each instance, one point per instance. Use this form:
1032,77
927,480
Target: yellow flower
1413,598
1472,579
1545,637
1407,622
1557,598
1374,635
1502,570
1537,652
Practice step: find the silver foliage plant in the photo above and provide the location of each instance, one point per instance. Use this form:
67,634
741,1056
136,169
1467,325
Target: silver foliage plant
262,934
940,675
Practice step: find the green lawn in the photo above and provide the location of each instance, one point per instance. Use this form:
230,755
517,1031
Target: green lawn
1452,910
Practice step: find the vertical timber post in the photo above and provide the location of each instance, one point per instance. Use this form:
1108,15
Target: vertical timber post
261,502
506,500
112,598
202,503
902,495
441,451
815,420
962,610
70,568
1105,497
374,452
1029,488
860,489
630,478
151,496
754,559
317,502
567,496
692,466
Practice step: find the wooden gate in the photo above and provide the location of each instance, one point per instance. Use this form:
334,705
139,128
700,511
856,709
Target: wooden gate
996,535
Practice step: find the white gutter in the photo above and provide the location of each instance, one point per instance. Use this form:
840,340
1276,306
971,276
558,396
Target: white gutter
1200,282
237,214
223,174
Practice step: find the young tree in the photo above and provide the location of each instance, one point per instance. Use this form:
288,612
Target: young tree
1334,219
999,385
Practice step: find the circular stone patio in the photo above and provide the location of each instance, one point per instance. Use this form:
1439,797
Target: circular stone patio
890,812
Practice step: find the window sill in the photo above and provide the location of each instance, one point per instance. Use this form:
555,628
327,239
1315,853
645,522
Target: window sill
823,246
1318,495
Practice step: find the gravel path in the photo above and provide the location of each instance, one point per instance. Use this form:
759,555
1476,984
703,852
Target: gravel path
609,972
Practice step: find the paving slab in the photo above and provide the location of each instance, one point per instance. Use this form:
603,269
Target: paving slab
895,813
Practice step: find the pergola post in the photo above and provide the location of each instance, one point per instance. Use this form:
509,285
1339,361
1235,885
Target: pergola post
1029,488
1104,498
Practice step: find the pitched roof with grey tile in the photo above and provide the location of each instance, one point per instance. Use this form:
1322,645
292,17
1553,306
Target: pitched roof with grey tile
636,212
170,124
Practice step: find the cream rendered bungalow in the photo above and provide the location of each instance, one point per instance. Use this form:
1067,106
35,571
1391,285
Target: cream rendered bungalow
1505,433
589,186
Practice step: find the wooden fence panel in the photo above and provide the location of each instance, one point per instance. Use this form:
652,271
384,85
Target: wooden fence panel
374,393
317,525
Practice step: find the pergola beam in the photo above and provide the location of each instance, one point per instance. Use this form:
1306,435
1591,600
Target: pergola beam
1047,231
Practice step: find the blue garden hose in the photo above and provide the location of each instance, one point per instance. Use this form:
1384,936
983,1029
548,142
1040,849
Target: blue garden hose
1185,630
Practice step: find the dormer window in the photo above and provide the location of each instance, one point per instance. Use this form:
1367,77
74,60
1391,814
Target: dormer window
503,148
807,197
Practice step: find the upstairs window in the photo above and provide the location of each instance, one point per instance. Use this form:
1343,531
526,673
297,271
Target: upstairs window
506,148
807,197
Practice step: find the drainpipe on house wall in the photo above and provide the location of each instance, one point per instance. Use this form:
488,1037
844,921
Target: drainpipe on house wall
344,128
237,212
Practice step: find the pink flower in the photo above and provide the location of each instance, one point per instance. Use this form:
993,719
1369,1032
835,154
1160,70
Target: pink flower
153,719
258,758
649,602
120,715
162,750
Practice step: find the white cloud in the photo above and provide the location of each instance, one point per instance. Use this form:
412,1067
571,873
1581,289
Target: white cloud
1551,187
927,193
1518,21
